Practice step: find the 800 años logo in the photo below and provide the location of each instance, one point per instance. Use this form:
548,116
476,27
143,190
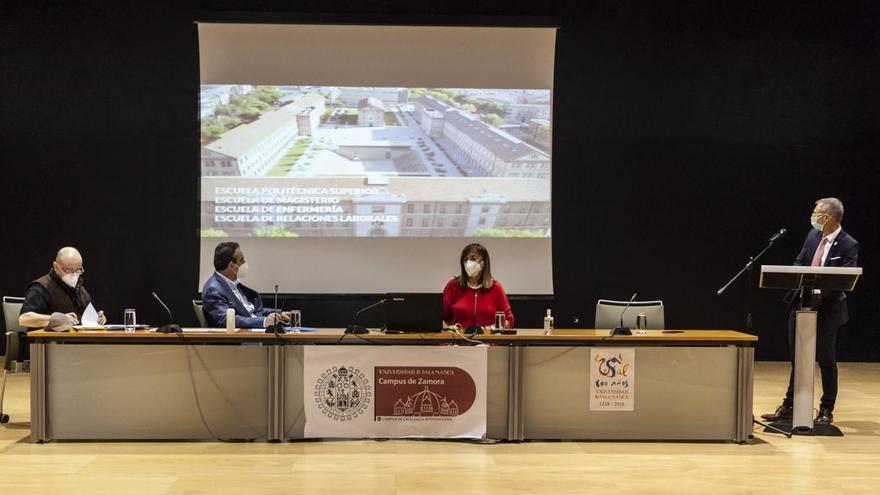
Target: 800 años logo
612,367
342,393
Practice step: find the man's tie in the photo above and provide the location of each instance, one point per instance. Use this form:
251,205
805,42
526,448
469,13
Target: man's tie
820,251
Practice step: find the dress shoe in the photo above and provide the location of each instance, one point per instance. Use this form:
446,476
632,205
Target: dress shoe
782,412
824,417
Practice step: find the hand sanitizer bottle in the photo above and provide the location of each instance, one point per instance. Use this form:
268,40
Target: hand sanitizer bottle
548,323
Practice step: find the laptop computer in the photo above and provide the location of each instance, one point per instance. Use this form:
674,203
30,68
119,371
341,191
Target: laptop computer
413,312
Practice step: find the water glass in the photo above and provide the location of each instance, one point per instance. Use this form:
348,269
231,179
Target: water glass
295,321
500,320
130,320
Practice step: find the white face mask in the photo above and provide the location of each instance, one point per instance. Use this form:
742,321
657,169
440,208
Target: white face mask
472,267
242,270
814,221
70,279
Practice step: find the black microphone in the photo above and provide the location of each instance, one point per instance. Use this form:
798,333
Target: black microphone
622,330
278,326
360,329
779,235
168,327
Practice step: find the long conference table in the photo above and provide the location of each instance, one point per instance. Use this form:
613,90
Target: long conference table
694,385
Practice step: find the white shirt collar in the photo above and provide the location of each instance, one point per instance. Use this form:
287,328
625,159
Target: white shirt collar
830,237
232,283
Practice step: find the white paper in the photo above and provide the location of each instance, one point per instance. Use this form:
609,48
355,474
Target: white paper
89,318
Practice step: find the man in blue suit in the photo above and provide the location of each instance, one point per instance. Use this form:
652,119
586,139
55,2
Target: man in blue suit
826,245
223,290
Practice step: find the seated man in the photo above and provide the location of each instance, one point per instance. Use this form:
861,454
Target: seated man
60,291
223,291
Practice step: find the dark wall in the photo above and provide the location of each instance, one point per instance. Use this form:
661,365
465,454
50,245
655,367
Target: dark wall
685,134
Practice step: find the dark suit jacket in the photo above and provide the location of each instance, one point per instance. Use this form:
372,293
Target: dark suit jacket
217,297
844,251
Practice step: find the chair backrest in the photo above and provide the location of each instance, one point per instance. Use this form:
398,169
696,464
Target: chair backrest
608,313
15,351
11,310
200,313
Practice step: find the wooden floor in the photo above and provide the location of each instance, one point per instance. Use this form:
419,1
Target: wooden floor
771,464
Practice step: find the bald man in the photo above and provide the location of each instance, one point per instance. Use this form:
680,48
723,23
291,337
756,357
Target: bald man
60,291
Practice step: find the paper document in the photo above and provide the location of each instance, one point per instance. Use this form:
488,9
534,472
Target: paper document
89,318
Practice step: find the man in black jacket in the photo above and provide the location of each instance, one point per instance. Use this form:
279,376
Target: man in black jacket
826,245
59,291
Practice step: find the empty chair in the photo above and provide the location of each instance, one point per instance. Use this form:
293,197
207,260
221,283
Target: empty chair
200,313
608,313
16,348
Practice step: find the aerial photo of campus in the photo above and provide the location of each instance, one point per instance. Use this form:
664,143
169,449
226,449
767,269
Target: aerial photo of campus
288,161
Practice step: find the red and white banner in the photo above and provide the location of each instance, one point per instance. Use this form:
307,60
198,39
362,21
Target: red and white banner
395,391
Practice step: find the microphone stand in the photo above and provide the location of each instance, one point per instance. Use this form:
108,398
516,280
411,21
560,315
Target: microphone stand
168,327
622,330
278,326
360,329
748,268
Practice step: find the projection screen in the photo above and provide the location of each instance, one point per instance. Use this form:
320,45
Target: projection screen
362,159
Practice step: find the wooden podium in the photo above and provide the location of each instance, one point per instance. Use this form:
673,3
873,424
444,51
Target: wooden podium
806,279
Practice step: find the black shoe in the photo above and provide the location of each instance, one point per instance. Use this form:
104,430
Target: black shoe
824,417
782,412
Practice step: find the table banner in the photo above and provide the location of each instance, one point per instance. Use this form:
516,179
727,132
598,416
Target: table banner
612,379
395,391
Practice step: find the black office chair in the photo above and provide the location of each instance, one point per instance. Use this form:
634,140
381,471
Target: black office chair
17,355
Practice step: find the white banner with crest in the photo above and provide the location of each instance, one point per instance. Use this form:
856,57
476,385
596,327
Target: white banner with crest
395,391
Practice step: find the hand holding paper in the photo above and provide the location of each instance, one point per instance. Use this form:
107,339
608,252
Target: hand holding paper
91,318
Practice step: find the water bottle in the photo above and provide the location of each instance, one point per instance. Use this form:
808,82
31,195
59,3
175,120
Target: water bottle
230,320
548,323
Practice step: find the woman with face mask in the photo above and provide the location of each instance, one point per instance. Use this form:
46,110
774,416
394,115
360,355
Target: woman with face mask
473,297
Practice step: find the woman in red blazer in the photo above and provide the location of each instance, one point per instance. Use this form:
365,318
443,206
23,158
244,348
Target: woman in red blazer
473,297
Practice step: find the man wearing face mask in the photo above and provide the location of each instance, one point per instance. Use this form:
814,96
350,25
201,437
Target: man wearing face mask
59,291
826,245
224,290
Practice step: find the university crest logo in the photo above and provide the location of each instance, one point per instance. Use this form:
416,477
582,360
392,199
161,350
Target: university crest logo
342,393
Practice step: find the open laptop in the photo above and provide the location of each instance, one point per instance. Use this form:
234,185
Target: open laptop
413,312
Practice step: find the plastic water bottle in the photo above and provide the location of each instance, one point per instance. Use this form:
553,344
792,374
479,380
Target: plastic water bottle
548,323
230,320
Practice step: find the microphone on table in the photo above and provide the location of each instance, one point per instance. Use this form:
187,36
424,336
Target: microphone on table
360,329
779,235
622,330
278,326
168,327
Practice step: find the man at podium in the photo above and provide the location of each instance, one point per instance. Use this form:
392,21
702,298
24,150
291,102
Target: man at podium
826,245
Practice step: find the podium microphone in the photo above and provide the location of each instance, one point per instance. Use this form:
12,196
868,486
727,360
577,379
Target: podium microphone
622,330
779,235
168,327
278,326
360,329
